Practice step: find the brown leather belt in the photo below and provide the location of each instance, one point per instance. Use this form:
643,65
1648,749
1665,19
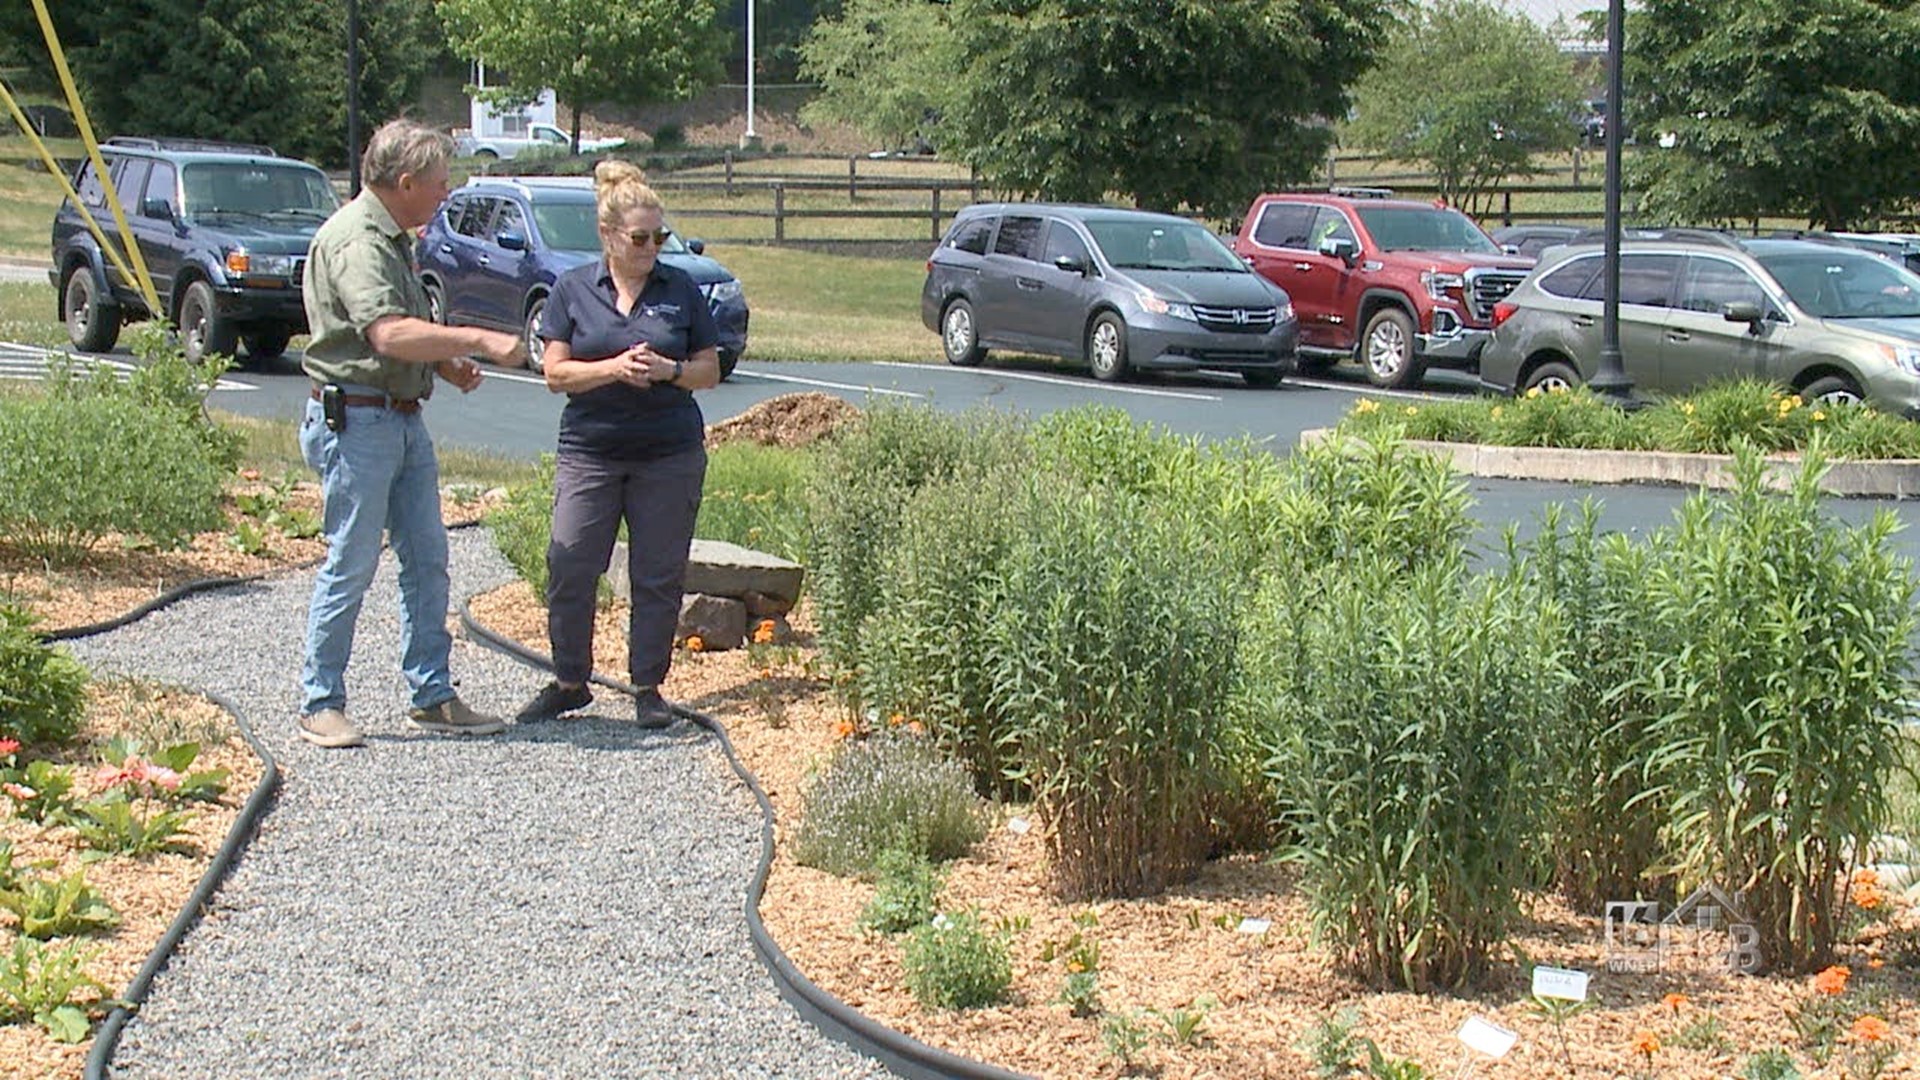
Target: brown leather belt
399,405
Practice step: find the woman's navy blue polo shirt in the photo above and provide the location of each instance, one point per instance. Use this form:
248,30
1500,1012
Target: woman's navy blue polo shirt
620,421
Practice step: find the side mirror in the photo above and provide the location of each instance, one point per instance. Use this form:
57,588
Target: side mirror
698,247
1071,265
156,208
1745,311
1339,247
511,241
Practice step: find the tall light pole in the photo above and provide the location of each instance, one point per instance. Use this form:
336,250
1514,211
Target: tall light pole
353,98
748,139
1611,379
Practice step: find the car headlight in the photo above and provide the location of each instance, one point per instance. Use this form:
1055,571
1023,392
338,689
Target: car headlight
722,291
1285,315
1170,308
1439,281
242,263
1907,357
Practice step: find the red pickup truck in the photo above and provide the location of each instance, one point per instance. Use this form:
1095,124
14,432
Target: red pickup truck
1397,284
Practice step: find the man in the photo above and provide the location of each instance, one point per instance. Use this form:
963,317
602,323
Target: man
372,357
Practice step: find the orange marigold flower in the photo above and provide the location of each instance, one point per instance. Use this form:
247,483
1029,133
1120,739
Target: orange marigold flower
249,474
1833,981
1866,875
916,727
8,746
1868,897
1674,1001
1876,963
1871,1029
695,643
1646,1043
843,730
896,719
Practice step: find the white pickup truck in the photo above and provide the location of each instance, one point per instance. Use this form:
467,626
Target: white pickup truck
505,147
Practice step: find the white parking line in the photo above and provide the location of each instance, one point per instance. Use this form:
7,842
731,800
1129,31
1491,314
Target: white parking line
19,361
1369,390
1056,380
769,377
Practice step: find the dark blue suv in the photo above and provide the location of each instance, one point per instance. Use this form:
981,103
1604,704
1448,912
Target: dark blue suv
490,256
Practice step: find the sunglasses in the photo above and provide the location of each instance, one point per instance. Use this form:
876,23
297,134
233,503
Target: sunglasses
639,237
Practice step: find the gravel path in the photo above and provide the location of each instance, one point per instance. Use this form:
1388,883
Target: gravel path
562,900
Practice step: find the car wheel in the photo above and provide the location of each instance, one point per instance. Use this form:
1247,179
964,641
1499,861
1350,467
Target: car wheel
1833,390
535,346
1261,378
486,155
93,324
203,333
269,343
1107,348
1554,376
959,338
436,302
728,361
1387,350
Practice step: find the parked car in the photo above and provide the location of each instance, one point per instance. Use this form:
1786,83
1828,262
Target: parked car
507,147
1828,321
1903,248
490,255
1399,285
1120,290
223,228
1531,240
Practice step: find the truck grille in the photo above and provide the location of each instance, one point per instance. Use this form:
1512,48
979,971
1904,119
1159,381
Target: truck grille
1487,287
1233,320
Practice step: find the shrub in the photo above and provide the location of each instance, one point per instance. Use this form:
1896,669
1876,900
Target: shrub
77,466
522,526
39,982
1726,415
1112,649
956,963
755,496
1378,504
42,689
1406,732
47,908
906,892
894,790
1778,727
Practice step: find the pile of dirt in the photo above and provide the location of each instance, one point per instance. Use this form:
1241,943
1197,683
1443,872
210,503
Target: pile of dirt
788,420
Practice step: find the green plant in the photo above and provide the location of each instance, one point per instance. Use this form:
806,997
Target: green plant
1124,1036
9,877
1557,1011
1819,1020
1186,1024
1777,728
895,790
1775,1064
522,526
116,822
906,892
956,963
1081,993
166,773
68,906
1334,1047
1703,1032
38,982
1384,1066
754,496
42,689
40,791
465,494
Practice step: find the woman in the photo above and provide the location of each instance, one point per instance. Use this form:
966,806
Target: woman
628,339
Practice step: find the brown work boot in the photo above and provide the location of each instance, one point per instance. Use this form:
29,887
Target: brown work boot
453,717
329,728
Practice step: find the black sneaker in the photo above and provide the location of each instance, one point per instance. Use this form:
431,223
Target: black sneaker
650,710
552,700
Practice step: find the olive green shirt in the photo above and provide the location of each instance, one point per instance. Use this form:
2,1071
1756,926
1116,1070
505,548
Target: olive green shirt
359,270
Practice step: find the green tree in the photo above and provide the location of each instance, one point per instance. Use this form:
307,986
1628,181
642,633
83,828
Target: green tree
1776,107
1472,92
589,51
884,66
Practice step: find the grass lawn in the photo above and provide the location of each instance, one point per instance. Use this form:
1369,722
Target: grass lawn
28,314
810,306
28,195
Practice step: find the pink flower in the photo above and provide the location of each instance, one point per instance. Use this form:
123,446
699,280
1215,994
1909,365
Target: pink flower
162,776
20,792
9,746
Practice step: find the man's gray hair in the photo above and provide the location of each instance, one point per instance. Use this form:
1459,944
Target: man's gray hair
401,148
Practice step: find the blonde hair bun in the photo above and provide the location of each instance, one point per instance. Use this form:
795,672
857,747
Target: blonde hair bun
613,172
620,186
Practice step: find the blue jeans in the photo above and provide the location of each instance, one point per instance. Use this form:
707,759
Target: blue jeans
379,475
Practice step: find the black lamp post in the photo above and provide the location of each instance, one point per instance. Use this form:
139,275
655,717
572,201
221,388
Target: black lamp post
1611,378
353,98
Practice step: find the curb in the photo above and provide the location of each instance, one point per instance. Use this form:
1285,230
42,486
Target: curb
107,1038
900,1053
1890,479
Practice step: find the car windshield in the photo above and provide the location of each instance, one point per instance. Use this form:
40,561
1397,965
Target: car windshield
254,189
1425,228
1163,245
574,226
1840,284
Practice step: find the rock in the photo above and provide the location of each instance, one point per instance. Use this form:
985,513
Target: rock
762,606
722,569
720,622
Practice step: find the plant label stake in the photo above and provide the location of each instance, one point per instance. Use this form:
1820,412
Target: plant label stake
1561,983
1018,826
1256,927
1486,1037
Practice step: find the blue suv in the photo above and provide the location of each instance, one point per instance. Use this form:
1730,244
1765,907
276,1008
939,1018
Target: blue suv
490,256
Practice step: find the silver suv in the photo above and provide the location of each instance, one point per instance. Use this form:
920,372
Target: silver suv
1826,320
1118,289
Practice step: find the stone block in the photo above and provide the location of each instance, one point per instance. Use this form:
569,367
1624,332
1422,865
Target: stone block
720,621
718,568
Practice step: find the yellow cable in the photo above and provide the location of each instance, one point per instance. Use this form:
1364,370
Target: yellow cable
53,167
144,280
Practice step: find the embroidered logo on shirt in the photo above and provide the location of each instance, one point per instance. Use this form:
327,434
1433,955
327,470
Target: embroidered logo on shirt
662,311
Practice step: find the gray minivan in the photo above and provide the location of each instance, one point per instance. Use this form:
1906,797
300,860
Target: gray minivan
1120,290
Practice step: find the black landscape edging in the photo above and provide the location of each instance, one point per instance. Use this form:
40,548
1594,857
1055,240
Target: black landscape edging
836,1019
107,1038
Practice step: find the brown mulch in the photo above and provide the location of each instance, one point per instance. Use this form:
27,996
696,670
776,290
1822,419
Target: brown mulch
790,420
1166,951
147,892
